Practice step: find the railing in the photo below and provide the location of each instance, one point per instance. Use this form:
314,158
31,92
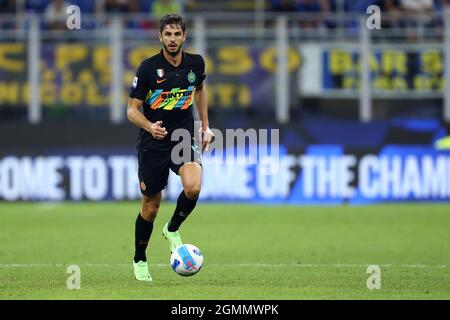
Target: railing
411,33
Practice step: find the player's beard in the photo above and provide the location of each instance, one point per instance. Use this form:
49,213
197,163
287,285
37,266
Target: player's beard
173,53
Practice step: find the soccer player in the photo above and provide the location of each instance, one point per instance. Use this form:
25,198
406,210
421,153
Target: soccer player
166,85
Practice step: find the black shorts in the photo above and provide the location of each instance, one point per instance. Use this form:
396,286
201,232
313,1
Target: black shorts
154,164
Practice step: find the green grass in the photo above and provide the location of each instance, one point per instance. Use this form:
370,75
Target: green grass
251,252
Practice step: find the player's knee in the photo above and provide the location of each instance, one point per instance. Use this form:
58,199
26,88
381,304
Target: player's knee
192,191
150,211
149,214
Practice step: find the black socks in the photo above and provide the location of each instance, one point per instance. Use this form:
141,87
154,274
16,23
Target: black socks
143,231
143,228
182,211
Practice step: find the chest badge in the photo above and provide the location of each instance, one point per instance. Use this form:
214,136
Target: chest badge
191,77
160,72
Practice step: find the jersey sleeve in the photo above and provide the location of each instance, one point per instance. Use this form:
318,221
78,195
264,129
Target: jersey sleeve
202,72
141,84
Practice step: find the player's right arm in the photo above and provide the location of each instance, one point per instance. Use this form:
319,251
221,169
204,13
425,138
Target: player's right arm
138,92
135,115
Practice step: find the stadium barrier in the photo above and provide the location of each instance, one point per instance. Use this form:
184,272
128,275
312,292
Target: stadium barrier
323,174
375,166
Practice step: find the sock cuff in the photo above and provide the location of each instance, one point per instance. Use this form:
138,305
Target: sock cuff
183,195
140,219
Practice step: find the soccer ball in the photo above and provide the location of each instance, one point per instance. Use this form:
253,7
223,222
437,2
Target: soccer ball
186,260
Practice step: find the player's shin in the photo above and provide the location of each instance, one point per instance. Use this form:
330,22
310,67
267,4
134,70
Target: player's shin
184,207
143,231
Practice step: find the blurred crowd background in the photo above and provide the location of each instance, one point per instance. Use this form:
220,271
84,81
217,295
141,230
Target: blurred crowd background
55,10
157,7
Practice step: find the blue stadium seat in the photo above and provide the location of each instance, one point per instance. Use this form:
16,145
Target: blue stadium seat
145,5
87,6
36,5
360,5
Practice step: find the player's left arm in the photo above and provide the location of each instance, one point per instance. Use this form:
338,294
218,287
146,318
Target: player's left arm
200,98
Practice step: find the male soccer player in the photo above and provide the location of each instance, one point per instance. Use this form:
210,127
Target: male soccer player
165,86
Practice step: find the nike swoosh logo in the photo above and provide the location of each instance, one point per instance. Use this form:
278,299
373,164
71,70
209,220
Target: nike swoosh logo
159,81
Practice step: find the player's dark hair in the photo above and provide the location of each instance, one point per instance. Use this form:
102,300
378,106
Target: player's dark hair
170,19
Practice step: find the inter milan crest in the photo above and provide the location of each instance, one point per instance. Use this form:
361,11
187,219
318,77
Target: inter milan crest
191,77
160,72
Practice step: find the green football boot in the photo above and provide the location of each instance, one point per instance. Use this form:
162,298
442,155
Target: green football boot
141,271
173,237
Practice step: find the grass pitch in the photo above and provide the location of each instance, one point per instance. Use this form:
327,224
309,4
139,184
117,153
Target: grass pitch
251,252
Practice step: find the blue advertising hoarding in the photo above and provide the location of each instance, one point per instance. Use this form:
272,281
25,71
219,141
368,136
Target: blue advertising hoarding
321,174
